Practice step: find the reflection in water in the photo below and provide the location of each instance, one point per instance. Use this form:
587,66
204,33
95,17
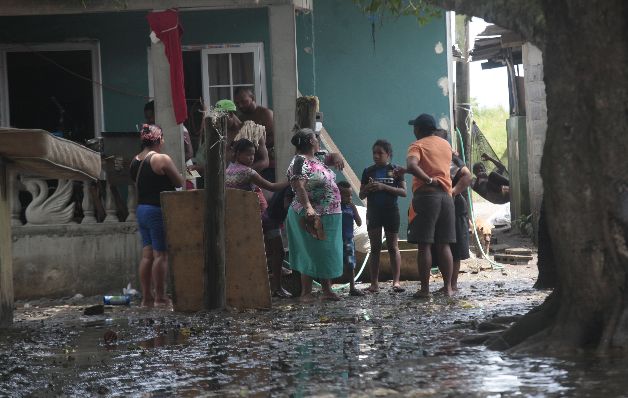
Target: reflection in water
373,347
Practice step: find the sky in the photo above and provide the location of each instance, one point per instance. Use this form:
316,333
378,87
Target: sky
490,86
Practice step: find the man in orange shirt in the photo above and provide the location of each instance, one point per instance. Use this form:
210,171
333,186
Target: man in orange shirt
428,161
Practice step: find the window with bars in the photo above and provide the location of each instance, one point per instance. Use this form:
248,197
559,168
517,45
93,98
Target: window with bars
227,67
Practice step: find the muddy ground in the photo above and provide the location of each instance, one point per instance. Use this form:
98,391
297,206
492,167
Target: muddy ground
383,344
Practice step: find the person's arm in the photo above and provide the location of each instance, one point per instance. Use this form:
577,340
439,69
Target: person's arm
299,189
464,181
497,163
261,155
364,186
412,167
267,121
356,215
335,160
169,169
267,185
397,191
187,145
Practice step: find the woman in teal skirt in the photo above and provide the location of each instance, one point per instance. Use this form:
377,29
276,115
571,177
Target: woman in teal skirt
316,196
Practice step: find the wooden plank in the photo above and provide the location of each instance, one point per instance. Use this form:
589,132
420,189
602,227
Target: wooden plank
247,283
6,257
498,248
247,274
347,171
183,219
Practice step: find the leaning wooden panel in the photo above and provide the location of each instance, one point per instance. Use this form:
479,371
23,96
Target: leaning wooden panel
246,272
183,219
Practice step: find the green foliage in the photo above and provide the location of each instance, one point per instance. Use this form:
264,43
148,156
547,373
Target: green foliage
524,225
492,122
421,9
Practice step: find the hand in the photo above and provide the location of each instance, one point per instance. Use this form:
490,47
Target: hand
399,172
484,157
310,212
334,159
375,186
262,141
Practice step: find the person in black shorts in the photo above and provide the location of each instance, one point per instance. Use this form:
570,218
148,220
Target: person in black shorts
461,179
381,188
431,219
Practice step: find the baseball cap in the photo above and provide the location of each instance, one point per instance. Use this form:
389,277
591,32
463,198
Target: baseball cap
226,105
424,122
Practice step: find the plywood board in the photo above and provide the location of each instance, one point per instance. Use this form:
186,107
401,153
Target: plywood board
246,272
183,219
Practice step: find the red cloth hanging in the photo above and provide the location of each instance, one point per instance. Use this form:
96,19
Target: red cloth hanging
166,26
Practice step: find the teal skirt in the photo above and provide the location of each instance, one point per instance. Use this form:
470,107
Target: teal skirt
320,259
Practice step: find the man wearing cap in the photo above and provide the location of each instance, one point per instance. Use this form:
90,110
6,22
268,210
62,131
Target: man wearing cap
431,217
233,127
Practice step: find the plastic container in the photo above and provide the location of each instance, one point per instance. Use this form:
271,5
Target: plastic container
117,300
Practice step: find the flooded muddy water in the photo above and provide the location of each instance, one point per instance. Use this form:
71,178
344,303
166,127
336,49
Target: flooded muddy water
380,345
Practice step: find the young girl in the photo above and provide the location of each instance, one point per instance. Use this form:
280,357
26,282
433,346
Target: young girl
381,189
240,175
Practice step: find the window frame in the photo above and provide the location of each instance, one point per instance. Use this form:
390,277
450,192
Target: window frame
258,64
93,46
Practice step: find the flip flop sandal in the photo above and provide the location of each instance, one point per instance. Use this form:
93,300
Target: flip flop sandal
356,293
398,289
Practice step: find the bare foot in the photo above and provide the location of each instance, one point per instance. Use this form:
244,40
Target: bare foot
306,299
447,293
421,294
372,289
330,296
356,292
163,303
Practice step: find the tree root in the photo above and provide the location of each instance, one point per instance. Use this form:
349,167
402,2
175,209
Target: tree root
534,322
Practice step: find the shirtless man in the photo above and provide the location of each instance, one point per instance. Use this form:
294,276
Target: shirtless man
244,99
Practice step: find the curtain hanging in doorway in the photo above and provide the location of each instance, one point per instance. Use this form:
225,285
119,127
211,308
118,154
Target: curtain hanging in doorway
167,28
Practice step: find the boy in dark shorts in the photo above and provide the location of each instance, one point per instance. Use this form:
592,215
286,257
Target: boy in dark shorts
382,187
349,215
429,160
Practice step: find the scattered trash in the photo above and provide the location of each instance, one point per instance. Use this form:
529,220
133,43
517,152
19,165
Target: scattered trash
27,305
77,296
117,300
98,309
129,291
110,337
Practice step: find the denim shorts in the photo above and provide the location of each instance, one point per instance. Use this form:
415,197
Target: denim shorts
151,223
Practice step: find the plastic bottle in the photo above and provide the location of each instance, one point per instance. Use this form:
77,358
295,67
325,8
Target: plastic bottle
117,300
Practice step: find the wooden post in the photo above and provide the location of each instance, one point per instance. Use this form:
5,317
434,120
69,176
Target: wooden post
6,257
214,235
463,96
306,112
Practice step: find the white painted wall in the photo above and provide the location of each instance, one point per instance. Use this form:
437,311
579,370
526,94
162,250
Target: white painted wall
63,260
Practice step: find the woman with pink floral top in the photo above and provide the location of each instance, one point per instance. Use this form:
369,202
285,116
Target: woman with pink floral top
314,222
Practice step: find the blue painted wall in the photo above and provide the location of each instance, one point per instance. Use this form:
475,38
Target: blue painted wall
369,90
123,39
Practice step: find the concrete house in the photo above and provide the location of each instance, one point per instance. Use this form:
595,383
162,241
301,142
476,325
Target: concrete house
90,69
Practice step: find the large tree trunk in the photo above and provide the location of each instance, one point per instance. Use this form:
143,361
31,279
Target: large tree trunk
585,166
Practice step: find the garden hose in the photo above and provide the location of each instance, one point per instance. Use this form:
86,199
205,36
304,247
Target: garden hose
494,265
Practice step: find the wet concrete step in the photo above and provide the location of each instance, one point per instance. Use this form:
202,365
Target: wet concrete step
512,258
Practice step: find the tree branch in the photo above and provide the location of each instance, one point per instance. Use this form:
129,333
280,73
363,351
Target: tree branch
526,17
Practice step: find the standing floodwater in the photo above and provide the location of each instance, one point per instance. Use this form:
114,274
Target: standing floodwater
381,344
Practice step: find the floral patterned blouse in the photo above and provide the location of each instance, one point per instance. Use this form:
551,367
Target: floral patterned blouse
320,185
